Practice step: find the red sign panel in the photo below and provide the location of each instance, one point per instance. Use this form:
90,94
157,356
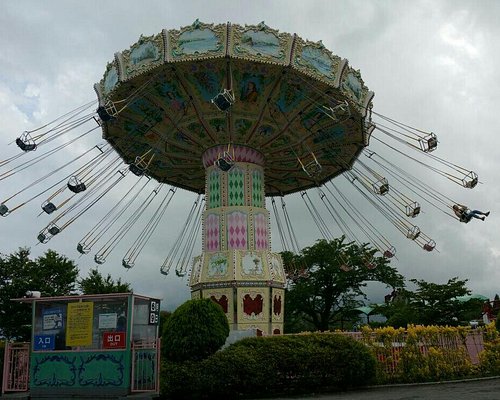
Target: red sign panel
113,340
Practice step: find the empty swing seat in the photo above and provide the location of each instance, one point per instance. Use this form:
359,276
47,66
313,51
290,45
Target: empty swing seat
4,210
345,267
429,246
25,142
224,100
389,253
103,114
49,207
81,249
136,170
413,233
42,237
54,230
223,165
384,189
75,185
99,259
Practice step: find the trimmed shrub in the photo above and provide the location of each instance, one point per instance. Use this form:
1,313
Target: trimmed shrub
197,329
273,365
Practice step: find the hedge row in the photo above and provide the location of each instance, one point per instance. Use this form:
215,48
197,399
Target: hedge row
265,366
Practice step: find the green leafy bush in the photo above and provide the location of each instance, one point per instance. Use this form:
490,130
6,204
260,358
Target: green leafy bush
197,329
490,358
273,365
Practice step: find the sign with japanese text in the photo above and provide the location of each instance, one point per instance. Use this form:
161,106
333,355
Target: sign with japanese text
108,320
113,340
52,318
44,342
154,312
79,324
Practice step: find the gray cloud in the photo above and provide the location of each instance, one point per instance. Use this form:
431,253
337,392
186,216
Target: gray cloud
431,64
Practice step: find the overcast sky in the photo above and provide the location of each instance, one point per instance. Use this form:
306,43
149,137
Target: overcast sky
432,64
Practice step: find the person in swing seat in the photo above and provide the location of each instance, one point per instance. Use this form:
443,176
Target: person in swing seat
465,214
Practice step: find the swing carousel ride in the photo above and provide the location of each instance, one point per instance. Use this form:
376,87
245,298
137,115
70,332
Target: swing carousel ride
235,114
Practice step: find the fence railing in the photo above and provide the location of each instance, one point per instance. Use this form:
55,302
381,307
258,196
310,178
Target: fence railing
16,367
146,366
389,352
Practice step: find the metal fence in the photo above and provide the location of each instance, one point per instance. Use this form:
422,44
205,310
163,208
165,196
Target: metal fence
390,355
16,367
146,367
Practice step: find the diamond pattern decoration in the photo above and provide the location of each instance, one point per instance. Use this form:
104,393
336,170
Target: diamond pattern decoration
257,189
212,235
236,187
214,197
237,230
260,231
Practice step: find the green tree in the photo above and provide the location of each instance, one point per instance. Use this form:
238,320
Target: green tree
332,277
196,329
438,304
95,283
431,304
51,274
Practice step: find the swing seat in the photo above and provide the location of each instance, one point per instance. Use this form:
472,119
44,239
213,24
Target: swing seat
413,233
49,207
381,187
136,169
54,230
345,267
223,165
413,209
470,180
99,259
75,185
180,274
384,189
389,253
371,265
428,247
103,114
25,142
428,143
42,237
313,168
127,263
224,100
81,249
4,210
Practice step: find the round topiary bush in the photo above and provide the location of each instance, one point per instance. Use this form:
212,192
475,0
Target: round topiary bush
197,329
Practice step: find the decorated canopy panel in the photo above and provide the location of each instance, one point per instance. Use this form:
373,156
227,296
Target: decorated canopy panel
294,101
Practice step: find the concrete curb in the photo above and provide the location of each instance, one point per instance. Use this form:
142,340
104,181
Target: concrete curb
403,385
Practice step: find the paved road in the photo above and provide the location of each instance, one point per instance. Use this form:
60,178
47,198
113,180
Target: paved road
472,390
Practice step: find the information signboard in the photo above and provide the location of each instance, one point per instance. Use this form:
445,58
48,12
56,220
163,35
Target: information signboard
79,324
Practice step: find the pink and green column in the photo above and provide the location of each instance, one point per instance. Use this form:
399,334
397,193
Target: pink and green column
237,268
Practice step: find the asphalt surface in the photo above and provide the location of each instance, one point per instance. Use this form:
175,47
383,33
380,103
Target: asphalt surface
484,389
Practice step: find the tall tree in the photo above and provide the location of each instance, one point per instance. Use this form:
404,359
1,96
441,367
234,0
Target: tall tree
95,283
438,304
431,304
332,277
51,274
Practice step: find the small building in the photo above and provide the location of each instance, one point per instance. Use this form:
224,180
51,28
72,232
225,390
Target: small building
88,346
